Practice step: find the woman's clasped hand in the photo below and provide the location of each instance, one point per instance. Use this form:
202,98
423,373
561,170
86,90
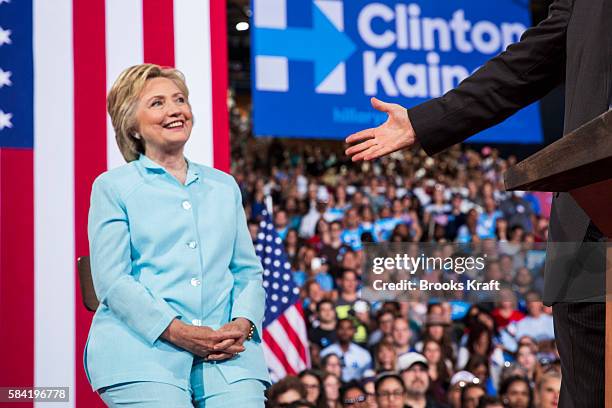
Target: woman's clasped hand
203,341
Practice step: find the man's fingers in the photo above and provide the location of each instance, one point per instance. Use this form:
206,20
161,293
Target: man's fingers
375,152
365,153
360,147
380,105
361,135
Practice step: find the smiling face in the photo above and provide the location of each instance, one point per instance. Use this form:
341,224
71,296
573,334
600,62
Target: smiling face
163,117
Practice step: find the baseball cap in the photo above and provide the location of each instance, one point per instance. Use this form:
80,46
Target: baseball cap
464,377
407,360
361,306
322,195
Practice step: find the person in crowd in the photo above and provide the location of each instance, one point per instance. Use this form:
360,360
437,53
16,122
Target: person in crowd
293,243
331,385
413,368
385,357
516,392
331,363
501,230
351,234
369,385
315,391
281,223
518,211
319,271
455,218
390,391
457,382
506,311
487,401
286,391
348,283
480,366
334,251
367,221
526,359
437,329
324,332
487,219
322,235
310,221
384,324
355,359
439,371
471,395
402,335
536,324
523,282
157,334
353,395
547,390
486,357
435,211
385,224
468,232
313,295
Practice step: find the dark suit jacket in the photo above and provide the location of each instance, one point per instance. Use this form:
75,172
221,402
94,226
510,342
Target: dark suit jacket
573,45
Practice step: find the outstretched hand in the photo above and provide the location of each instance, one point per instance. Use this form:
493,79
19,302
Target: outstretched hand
395,134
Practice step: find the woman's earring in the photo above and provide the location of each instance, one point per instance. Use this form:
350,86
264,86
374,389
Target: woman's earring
136,136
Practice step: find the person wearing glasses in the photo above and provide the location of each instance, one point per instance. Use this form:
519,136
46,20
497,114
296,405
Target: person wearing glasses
315,392
353,395
390,391
413,369
287,391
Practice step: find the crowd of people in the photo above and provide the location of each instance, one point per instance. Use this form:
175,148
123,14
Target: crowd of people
404,354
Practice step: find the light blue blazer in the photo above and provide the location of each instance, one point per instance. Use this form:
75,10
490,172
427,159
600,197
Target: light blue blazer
160,250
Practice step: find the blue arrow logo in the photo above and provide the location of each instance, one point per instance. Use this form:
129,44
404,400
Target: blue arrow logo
323,44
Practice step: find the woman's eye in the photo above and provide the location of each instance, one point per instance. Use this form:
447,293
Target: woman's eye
180,99
156,103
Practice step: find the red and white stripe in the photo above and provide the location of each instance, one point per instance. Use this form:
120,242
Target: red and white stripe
285,343
80,46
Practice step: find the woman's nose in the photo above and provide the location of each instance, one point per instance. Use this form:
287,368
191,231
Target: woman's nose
174,109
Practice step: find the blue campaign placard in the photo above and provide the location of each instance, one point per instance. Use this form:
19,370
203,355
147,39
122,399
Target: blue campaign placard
315,64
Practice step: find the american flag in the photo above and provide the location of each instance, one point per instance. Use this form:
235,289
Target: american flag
58,59
284,330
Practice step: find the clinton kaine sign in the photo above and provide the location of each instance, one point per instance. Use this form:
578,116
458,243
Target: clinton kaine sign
317,63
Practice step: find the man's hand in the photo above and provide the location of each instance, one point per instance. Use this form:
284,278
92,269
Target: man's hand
395,134
222,349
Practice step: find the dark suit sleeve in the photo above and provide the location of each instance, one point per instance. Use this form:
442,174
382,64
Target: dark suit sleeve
525,72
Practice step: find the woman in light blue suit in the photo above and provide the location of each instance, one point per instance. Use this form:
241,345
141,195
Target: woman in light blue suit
179,284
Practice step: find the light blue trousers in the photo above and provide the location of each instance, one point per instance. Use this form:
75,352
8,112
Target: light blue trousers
208,390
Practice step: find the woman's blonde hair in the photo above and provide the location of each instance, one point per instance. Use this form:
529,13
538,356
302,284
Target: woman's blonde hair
123,99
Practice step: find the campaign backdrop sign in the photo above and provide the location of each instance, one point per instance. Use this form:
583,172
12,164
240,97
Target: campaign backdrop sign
315,64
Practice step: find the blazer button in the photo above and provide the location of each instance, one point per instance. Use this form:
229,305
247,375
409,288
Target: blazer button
195,282
186,205
196,322
192,244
